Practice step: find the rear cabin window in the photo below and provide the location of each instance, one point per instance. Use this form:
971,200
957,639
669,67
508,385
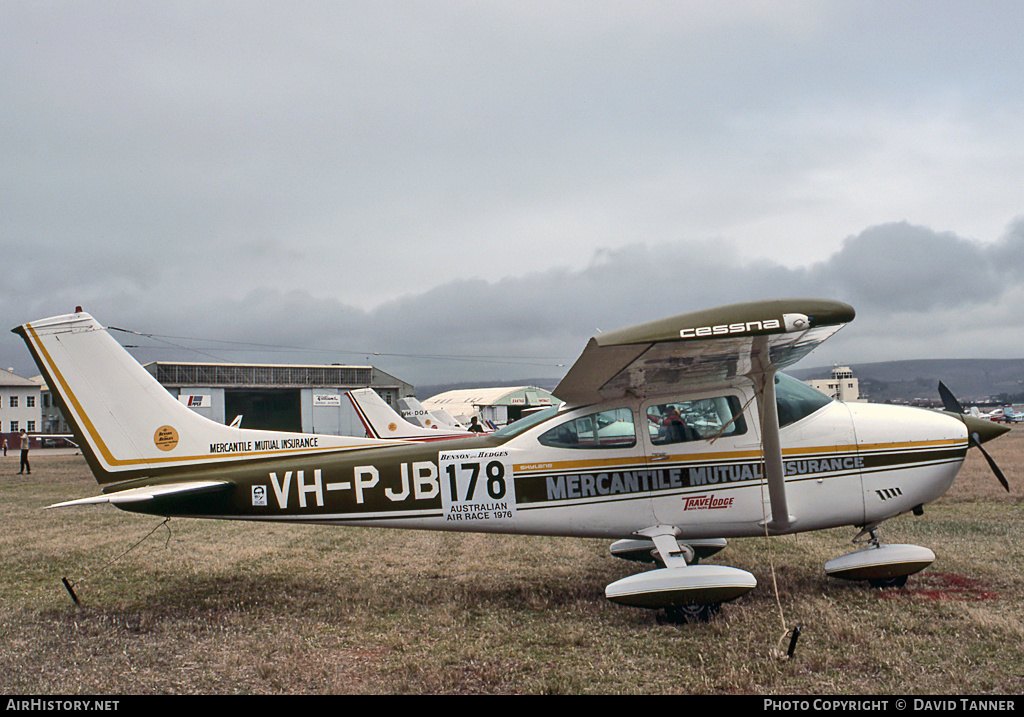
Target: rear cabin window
605,429
682,421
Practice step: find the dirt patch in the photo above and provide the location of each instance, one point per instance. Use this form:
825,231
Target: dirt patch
943,586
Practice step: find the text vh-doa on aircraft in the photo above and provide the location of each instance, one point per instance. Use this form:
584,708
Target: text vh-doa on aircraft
673,436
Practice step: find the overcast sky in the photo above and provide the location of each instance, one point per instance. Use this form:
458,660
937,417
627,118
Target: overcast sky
493,183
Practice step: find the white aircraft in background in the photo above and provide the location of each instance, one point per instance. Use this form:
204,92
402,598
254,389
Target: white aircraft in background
674,436
382,421
993,415
414,412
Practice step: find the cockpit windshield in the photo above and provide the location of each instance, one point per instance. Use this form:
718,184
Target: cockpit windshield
796,400
526,422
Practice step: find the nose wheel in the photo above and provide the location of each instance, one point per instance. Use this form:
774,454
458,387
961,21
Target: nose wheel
894,582
881,565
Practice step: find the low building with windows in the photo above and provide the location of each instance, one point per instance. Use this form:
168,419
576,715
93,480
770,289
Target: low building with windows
842,385
52,419
19,407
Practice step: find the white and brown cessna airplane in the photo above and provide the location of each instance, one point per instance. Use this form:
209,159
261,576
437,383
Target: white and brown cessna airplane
673,436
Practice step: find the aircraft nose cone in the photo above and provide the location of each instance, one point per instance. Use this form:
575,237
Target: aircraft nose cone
986,430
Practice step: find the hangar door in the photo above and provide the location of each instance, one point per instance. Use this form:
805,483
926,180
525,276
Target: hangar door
277,409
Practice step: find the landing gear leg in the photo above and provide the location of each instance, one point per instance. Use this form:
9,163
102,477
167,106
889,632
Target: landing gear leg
872,540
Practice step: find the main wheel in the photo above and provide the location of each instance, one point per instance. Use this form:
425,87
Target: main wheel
689,614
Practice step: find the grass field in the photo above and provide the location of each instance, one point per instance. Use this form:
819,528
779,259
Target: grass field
201,607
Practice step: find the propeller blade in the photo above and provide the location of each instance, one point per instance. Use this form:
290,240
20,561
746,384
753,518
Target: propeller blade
991,463
952,405
949,401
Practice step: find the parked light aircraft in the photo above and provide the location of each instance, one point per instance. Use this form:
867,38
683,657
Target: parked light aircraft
382,421
415,412
674,436
1011,416
993,415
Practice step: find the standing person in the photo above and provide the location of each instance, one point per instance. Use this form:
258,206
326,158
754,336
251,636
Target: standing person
5,447
474,425
24,454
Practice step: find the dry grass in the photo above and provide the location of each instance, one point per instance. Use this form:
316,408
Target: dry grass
205,607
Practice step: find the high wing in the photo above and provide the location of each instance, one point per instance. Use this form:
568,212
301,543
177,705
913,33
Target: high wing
705,349
702,348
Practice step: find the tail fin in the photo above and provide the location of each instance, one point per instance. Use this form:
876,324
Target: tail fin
382,421
416,413
127,424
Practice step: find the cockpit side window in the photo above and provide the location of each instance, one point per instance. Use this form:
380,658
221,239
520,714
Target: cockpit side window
682,421
606,429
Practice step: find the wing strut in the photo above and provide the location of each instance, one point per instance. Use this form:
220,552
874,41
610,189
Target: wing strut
763,376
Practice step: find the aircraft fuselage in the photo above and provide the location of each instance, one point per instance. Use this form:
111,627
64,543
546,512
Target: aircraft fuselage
839,469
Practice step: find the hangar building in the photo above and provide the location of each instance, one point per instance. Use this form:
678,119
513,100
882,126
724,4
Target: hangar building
279,397
498,406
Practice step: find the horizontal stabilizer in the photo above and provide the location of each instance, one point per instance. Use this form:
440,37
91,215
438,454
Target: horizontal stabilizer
149,492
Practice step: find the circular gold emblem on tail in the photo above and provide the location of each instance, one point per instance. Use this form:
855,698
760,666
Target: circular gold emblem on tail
165,438
392,426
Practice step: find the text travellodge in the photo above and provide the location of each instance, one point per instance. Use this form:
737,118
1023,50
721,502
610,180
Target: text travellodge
589,485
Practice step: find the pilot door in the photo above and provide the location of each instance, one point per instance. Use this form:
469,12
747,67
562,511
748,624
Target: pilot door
705,459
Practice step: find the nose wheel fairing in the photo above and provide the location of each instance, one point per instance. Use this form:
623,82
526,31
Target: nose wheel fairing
880,563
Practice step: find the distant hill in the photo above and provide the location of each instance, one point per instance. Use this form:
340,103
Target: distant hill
970,380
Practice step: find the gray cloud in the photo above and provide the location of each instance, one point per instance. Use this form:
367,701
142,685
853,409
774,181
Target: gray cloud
913,288
901,267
